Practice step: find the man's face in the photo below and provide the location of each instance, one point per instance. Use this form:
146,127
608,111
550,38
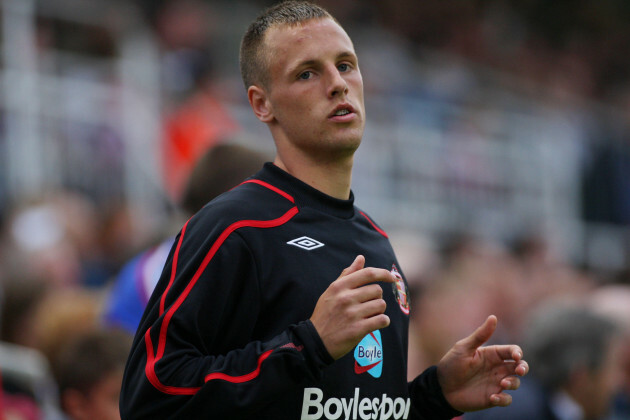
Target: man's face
315,89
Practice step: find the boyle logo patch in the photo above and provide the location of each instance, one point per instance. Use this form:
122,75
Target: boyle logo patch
368,355
400,291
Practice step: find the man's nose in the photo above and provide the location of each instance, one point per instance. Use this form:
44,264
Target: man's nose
337,84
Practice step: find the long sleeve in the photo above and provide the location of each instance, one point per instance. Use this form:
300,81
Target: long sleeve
194,356
427,400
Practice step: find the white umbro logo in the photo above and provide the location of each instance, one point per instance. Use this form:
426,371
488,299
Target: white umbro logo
306,243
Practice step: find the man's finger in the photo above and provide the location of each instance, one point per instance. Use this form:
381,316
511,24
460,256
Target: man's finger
481,334
522,368
367,293
501,400
512,369
376,322
366,276
357,264
509,352
371,308
510,383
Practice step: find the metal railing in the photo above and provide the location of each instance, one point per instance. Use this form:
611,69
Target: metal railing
75,120
431,166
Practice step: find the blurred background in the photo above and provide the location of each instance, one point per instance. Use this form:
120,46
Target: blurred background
496,155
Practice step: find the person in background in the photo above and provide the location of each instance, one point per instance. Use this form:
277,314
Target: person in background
613,300
575,366
89,370
20,298
197,117
220,168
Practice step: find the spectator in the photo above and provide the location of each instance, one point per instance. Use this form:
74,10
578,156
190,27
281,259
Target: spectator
27,390
56,237
89,372
575,367
614,301
21,296
477,276
64,315
198,119
219,169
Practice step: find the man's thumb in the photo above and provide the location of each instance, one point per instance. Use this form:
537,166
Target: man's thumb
481,334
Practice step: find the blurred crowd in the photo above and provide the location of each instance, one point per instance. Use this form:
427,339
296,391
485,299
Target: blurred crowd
75,269
573,328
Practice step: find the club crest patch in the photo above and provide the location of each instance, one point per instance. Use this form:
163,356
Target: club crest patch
368,355
400,291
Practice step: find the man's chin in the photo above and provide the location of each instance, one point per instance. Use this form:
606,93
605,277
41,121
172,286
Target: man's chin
344,144
340,149
350,138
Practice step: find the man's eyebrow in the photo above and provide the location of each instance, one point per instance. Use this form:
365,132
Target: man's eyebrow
313,62
346,54
305,63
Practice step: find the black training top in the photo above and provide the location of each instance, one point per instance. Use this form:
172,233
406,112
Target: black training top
226,333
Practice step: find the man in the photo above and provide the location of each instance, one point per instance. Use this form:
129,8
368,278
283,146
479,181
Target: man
281,299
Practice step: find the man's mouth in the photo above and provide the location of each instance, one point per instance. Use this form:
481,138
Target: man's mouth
341,110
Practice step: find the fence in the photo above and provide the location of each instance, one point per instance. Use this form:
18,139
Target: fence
72,119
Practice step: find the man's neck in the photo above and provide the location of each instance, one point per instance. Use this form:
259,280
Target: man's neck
331,178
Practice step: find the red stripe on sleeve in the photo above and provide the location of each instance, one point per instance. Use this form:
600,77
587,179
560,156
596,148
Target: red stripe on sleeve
152,358
242,378
149,370
173,268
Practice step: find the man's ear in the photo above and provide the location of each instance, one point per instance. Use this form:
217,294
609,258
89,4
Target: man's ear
260,103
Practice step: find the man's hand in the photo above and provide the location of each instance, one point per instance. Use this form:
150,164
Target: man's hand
351,308
474,377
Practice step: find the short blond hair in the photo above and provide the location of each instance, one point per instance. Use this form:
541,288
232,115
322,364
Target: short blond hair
253,58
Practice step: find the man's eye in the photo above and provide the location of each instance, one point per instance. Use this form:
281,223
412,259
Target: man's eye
343,67
305,75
